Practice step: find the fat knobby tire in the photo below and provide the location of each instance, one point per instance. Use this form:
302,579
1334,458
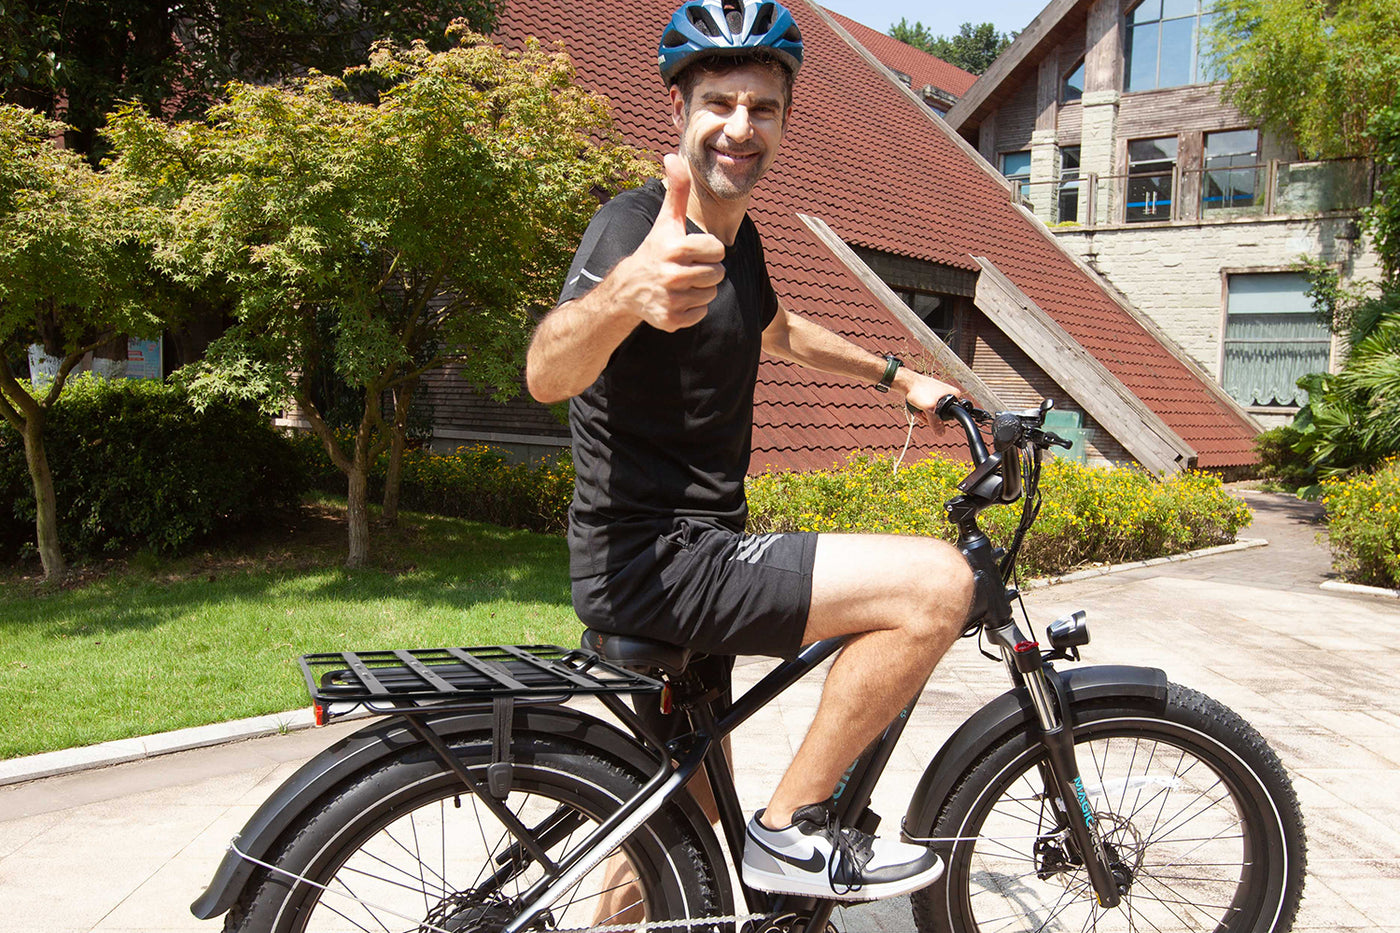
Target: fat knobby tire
1267,897
675,878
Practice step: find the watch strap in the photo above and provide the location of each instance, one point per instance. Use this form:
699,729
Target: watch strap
892,364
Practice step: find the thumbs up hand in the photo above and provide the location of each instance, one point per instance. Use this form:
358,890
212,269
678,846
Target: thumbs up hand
673,275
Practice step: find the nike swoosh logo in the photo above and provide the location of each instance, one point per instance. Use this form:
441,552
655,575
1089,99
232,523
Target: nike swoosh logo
812,863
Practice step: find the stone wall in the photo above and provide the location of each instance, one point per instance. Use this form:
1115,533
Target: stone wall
1174,273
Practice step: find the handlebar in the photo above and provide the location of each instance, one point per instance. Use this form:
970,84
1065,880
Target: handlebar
949,408
996,475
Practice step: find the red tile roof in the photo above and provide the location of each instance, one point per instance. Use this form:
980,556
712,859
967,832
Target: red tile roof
864,156
921,67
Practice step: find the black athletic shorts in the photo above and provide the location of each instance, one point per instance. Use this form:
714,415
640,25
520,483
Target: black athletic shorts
710,590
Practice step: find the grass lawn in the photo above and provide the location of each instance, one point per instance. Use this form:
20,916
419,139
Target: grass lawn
143,646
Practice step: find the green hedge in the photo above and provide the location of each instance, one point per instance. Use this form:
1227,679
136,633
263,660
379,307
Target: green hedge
479,482
134,465
1363,524
1279,461
1090,515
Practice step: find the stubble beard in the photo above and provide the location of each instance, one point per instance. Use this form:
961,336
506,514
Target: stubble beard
727,184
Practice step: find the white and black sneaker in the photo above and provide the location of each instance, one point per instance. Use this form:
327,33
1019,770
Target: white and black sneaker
818,857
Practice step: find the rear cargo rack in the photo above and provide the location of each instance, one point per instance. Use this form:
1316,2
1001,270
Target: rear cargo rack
461,678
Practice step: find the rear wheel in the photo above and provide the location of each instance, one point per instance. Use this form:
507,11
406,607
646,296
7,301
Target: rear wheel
405,847
1199,815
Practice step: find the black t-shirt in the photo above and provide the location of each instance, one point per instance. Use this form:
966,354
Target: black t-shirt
665,431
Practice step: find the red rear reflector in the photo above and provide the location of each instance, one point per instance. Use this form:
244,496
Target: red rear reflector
320,712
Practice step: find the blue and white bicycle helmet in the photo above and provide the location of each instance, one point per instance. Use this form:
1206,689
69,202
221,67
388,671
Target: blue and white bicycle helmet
708,28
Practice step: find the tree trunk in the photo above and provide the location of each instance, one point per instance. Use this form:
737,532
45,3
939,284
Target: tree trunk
392,478
403,397
46,504
358,513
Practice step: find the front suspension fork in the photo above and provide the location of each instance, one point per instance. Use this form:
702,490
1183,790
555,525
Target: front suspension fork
1064,784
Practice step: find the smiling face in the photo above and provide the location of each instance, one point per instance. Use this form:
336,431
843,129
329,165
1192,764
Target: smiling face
731,126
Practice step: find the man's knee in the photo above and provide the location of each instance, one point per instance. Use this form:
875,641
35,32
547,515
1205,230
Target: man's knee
946,592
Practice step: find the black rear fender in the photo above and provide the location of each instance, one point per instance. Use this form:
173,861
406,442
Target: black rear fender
385,737
1011,712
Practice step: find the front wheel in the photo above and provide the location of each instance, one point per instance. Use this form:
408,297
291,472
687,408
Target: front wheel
1198,814
405,847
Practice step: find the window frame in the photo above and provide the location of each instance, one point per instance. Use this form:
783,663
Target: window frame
947,309
1022,182
1230,171
1198,64
1172,175
1078,66
1061,180
1225,273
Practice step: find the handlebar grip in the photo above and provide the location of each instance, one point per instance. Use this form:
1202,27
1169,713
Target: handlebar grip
938,408
948,409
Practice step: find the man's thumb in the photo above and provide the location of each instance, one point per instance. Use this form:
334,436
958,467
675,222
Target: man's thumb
677,193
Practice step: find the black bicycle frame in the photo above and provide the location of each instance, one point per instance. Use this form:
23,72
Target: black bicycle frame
1027,666
703,745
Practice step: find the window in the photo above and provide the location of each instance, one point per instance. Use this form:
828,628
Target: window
1070,185
1272,338
1072,87
1017,167
1163,45
1232,169
934,310
1150,169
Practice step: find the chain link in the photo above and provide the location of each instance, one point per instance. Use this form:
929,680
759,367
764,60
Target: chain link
647,925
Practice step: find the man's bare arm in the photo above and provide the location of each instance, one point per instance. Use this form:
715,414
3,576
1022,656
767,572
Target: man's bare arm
668,282
800,340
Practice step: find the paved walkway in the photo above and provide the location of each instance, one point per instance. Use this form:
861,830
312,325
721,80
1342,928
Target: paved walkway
127,848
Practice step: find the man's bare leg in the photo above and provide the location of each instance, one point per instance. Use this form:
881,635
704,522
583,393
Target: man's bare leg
906,599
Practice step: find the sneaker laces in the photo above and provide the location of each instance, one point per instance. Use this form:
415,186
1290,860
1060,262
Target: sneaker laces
852,850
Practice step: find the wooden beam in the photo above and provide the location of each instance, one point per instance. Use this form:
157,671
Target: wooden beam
1139,429
957,370
1022,48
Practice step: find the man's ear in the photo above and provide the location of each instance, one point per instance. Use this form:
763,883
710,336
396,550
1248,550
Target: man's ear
678,108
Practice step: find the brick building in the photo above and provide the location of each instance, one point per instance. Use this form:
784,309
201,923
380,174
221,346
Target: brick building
1107,116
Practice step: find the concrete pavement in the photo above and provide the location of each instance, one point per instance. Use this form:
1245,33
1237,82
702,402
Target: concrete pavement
126,848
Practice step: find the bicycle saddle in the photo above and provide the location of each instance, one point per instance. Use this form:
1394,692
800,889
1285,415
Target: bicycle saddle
632,652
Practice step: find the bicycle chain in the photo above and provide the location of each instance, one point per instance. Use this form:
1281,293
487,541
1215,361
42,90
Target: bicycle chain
647,925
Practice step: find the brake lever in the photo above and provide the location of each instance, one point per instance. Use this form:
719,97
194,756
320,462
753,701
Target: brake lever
1051,439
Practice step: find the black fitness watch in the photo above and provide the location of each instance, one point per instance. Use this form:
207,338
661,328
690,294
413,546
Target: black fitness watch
892,364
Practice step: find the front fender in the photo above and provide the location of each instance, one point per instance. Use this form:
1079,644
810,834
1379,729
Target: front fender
1010,712
386,737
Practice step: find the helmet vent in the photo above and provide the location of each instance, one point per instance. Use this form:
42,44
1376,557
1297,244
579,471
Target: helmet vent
764,21
702,20
734,16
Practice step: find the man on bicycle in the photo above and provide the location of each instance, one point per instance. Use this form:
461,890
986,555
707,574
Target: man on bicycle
656,342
